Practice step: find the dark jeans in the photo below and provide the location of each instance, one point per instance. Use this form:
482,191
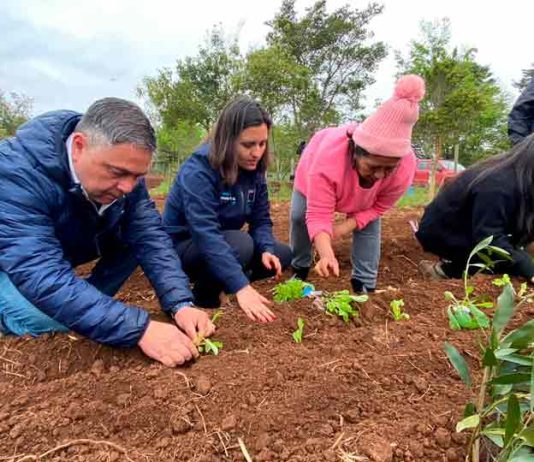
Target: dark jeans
207,286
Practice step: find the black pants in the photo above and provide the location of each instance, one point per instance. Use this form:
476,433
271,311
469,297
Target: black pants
207,286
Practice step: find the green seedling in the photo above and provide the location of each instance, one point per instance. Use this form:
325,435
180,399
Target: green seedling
293,289
297,335
500,417
466,313
341,303
207,346
397,310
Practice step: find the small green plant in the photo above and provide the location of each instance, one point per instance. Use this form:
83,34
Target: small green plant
341,304
465,313
397,310
502,416
293,289
297,335
208,346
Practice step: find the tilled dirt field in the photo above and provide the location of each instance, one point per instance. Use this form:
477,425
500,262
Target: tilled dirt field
371,390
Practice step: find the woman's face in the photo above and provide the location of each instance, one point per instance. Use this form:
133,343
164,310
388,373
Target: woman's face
251,145
372,168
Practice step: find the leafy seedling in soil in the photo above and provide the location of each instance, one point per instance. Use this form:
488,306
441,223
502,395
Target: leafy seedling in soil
397,310
341,303
297,335
293,289
466,313
207,346
501,418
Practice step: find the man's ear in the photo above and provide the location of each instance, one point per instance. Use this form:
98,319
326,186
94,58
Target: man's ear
79,145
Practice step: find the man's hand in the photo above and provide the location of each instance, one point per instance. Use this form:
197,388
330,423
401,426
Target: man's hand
272,262
343,228
167,344
194,322
327,264
254,304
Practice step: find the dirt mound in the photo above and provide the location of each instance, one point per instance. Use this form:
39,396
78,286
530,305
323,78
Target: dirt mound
375,389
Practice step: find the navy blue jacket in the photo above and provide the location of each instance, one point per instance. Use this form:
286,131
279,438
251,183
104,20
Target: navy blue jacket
521,118
47,227
200,206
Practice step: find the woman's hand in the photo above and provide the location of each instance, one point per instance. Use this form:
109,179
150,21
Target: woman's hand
346,227
327,264
272,262
254,305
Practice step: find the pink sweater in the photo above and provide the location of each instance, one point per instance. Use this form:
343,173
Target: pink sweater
325,176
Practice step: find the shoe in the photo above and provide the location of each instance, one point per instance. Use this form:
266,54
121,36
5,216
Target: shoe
358,287
432,270
300,273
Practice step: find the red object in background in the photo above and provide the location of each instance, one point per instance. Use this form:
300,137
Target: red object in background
445,172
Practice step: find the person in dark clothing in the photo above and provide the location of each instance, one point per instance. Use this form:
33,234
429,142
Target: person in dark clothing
218,190
521,118
71,192
492,198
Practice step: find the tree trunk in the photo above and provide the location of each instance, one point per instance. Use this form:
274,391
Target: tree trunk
435,162
456,157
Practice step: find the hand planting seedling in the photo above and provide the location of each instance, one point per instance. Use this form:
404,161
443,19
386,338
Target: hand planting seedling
341,303
500,418
397,310
293,289
207,346
466,313
297,335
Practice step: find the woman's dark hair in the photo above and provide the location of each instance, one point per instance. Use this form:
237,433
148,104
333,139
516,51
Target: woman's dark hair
355,151
520,159
240,113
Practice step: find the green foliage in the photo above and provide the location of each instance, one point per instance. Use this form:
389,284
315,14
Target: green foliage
413,198
341,303
397,310
463,105
208,346
297,335
526,77
465,313
292,289
503,410
15,109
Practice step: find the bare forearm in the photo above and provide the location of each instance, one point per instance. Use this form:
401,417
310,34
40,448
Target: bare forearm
323,244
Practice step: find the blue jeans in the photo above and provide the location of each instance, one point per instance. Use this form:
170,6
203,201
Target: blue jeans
19,317
365,254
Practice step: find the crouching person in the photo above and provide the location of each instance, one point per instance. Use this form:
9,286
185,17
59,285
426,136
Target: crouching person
72,191
359,170
218,190
492,198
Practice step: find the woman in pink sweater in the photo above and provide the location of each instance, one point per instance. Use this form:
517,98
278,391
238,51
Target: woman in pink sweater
360,171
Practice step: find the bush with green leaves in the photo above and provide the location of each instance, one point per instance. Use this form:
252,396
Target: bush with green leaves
292,289
466,313
502,416
341,303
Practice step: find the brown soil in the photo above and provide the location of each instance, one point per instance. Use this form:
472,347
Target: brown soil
376,389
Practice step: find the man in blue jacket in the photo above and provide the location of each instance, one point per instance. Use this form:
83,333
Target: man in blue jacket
72,191
521,118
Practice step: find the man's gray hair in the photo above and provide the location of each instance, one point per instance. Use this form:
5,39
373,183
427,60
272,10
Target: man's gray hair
111,121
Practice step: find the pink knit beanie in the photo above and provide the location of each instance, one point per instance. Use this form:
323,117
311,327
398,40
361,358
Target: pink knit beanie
388,132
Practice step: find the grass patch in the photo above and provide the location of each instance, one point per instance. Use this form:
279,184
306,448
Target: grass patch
415,196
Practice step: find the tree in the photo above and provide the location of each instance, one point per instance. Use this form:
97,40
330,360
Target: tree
528,75
463,103
200,86
331,56
15,109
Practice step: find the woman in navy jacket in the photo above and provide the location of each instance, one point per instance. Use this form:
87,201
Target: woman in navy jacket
218,190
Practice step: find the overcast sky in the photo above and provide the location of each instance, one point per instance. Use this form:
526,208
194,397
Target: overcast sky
67,53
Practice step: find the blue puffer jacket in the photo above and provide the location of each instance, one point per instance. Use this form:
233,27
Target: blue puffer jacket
47,227
200,206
